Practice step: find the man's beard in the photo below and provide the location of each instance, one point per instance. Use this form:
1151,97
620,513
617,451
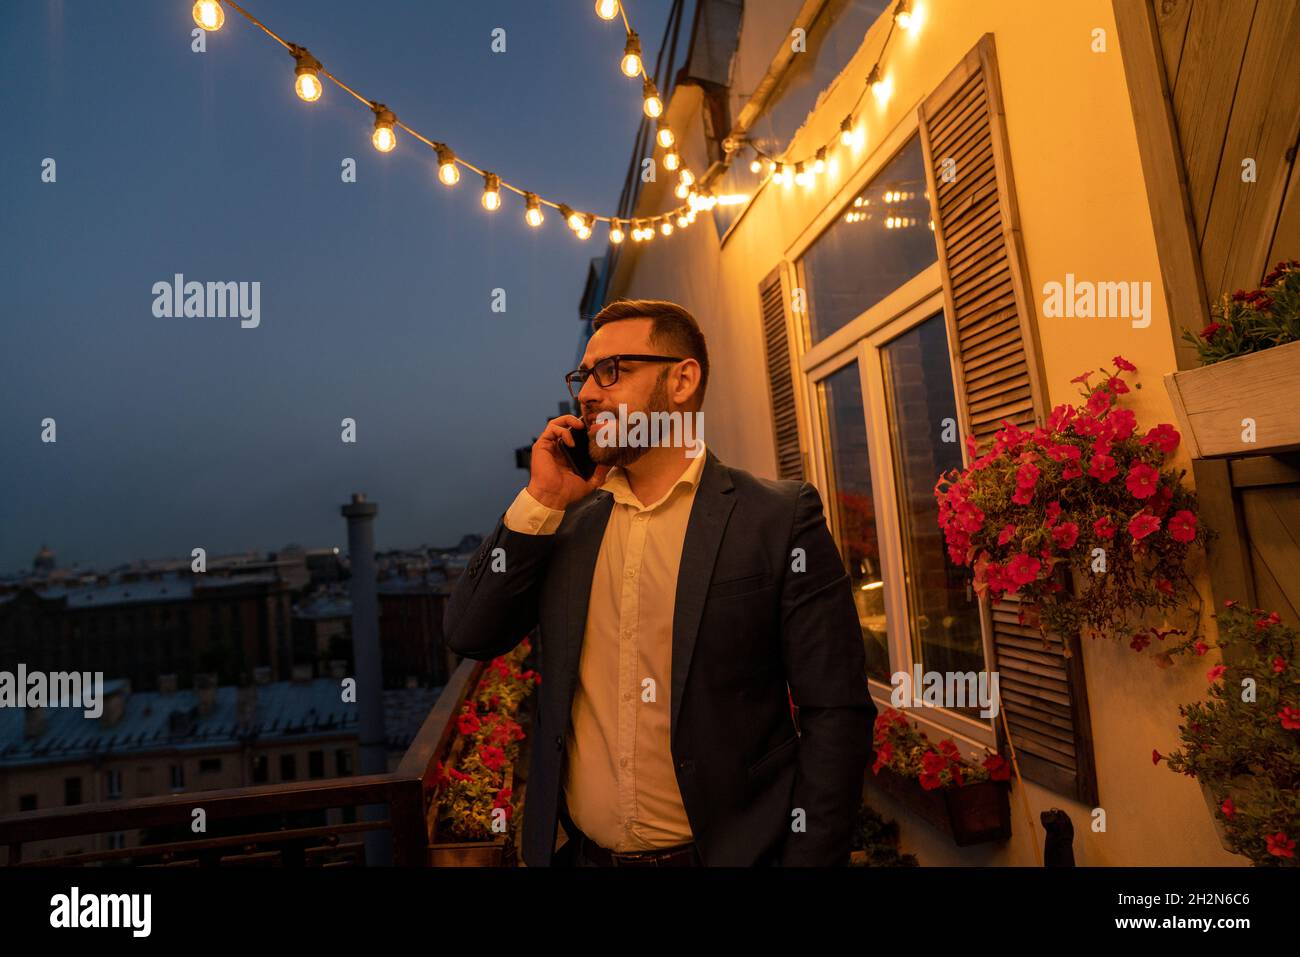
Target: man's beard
623,456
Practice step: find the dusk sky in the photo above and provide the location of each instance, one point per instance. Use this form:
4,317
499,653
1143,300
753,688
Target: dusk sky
174,433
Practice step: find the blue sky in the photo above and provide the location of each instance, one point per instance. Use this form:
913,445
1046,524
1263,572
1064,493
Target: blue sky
375,296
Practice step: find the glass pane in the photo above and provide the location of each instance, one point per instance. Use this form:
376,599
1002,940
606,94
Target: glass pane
883,238
853,510
923,414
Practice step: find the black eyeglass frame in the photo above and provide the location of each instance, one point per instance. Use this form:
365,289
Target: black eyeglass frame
581,374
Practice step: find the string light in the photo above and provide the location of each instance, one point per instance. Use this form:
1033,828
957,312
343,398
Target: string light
664,135
652,104
209,15
491,192
687,177
672,160
307,82
666,228
615,232
682,221
631,65
384,138
533,215
819,164
756,166
607,9
448,171
573,219
800,177
584,231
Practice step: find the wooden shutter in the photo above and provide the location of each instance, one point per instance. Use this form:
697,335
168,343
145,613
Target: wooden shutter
780,383
992,337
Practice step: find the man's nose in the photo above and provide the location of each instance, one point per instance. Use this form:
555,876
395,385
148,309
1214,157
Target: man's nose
590,391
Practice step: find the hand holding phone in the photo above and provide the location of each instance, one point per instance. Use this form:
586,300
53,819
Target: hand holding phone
561,469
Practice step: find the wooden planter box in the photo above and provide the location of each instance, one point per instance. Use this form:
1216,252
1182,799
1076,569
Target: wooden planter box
469,853
1211,402
975,814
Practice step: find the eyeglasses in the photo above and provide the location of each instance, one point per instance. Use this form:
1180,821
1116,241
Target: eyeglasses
606,371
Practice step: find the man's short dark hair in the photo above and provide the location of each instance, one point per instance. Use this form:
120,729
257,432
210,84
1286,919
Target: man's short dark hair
674,330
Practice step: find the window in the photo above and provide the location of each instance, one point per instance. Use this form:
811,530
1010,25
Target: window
209,765
71,791
943,612
880,240
316,764
260,769
343,759
851,506
288,767
27,802
113,784
178,777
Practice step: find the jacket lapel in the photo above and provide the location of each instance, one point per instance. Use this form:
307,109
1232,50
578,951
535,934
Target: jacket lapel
709,513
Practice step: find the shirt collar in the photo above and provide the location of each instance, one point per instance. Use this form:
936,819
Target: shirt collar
616,481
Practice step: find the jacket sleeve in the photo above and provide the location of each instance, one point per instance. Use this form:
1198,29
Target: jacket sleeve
494,603
825,665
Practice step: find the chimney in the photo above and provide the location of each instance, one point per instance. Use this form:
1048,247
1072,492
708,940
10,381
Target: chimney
205,689
167,684
34,723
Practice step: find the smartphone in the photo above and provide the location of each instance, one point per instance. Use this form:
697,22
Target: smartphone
579,455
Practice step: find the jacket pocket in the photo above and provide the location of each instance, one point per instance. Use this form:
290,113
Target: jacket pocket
748,585
774,758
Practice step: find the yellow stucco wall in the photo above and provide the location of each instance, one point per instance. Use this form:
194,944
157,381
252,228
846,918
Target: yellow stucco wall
1083,210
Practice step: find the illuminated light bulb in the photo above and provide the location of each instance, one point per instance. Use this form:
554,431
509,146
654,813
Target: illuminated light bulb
903,16
682,191
584,231
448,171
666,228
209,15
690,217
778,177
575,220
607,9
819,165
846,131
787,175
693,199
800,177
615,232
687,177
307,80
664,135
682,221
881,88
652,104
755,167
672,160
858,201
631,64
932,225
771,166
384,138
533,215
491,192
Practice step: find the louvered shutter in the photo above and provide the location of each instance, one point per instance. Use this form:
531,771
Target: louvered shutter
994,350
780,383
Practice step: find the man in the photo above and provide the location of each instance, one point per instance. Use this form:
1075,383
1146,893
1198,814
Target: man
681,606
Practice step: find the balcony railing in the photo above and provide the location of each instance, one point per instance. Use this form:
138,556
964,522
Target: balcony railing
272,825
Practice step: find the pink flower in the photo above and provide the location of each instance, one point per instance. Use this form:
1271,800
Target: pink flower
1120,424
1279,845
1082,378
1182,526
1142,525
1117,385
1104,527
1209,332
1023,495
998,768
1141,481
1027,476
1100,401
1201,647
1008,532
1102,468
1065,535
1215,673
1121,363
1164,436
1023,569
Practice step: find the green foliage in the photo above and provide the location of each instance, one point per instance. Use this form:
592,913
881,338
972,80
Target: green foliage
1247,322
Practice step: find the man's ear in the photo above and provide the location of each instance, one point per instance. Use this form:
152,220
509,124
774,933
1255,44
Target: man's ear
687,382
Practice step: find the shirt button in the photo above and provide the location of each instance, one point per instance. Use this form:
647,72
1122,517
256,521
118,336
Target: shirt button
622,762
630,573
627,696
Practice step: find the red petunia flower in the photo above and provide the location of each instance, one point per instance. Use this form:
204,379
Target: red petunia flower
1142,525
1104,527
1164,436
1182,526
1279,845
1008,532
1103,468
1027,475
1142,481
1290,718
1215,673
1117,385
1121,363
1210,331
1023,569
1065,535
1100,400
1201,647
1228,808
1279,666
998,767
1156,756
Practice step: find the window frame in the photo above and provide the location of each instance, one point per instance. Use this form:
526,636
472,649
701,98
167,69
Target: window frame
862,340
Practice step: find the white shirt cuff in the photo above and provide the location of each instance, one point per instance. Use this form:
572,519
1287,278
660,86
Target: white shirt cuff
531,517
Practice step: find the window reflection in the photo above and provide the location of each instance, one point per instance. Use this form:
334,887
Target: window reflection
882,239
852,507
945,616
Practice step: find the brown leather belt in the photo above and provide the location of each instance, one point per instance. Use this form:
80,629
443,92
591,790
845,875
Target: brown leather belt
681,855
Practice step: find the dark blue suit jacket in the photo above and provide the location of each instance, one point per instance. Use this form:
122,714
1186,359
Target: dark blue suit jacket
746,623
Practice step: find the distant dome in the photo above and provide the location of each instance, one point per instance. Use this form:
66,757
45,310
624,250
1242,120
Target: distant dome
44,560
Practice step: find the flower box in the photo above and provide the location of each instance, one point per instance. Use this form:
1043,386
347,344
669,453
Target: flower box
975,813
452,853
1211,403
